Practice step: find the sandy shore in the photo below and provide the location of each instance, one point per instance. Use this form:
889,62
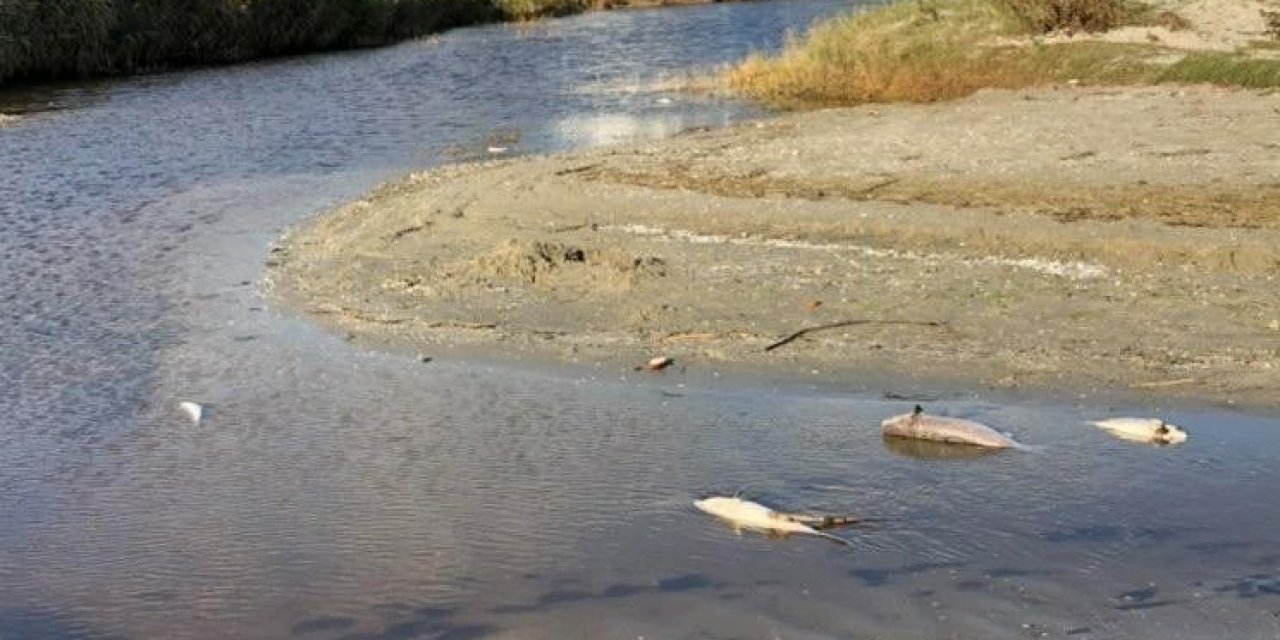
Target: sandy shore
1211,25
1064,240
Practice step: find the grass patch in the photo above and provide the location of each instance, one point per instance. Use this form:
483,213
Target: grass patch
904,51
930,50
1223,70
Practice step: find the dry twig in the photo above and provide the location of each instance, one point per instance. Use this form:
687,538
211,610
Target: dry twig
850,323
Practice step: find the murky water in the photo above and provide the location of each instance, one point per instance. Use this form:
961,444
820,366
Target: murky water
333,492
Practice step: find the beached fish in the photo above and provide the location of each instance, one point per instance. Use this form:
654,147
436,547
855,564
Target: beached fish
745,514
659,363
1152,430
923,426
194,410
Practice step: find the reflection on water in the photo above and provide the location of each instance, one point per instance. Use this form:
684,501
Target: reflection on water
334,492
929,450
610,129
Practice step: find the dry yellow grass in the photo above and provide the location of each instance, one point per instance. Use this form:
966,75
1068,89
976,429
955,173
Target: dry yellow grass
904,51
930,50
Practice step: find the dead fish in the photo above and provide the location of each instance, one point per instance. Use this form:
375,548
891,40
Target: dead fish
659,363
922,426
745,514
1152,430
194,410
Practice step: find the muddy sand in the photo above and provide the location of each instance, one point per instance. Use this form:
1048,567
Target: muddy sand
1066,240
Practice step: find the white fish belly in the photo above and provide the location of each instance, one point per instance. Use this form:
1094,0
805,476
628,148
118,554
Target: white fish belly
751,515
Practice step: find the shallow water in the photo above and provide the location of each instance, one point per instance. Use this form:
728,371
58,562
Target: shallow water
334,492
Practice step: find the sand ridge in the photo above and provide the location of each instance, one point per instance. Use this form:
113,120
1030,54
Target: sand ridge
1064,239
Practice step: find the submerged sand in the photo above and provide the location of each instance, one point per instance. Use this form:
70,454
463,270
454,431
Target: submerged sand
1071,239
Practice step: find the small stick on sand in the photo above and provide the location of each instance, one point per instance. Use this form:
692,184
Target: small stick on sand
1161,383
891,180
451,324
677,337
849,323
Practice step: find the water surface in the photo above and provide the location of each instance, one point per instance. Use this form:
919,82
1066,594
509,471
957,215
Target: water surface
334,492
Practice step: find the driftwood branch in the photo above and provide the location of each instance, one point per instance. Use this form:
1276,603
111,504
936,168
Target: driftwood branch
891,180
1161,383
850,323
682,336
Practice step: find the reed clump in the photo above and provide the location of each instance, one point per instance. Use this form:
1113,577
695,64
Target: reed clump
930,50
907,51
50,39
1225,70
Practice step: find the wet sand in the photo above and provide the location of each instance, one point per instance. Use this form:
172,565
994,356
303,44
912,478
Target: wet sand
1068,240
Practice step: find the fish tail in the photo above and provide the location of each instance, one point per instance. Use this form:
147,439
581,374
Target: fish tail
821,522
837,521
835,539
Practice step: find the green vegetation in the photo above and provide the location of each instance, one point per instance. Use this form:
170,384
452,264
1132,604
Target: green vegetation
45,39
1223,69
928,50
48,39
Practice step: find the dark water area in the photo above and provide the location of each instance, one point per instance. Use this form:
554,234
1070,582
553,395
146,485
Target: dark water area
335,492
